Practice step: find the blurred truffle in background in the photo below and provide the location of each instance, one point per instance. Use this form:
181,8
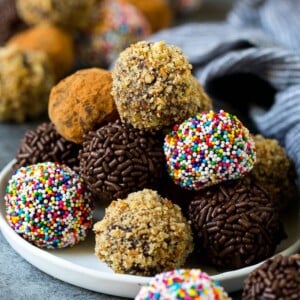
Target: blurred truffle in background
26,78
69,14
158,12
10,22
114,25
54,41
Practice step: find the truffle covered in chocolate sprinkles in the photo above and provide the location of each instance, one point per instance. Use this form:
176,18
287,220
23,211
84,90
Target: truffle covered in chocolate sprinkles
277,278
118,159
236,223
45,144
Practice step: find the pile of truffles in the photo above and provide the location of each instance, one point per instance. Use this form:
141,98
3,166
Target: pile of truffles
140,136
71,35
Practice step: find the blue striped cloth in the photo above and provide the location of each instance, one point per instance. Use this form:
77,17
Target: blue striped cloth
252,61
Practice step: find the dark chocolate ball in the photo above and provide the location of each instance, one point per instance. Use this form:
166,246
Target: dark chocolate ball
236,223
118,159
45,144
277,278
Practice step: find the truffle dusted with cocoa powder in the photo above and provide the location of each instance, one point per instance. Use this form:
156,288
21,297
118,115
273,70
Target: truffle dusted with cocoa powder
143,234
153,86
82,102
45,144
276,278
118,159
236,223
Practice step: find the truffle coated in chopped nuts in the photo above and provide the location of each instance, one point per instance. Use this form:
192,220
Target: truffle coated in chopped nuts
276,278
26,78
236,223
70,14
82,102
56,42
274,170
153,86
143,234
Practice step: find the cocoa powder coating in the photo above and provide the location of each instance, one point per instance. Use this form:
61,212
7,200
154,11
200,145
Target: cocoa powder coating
82,102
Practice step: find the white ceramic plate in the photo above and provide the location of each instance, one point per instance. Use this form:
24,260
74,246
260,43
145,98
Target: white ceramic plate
79,266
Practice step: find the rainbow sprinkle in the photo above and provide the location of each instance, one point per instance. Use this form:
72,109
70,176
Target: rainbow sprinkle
48,205
207,149
185,284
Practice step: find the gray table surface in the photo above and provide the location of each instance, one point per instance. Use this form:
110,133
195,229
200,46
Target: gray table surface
18,278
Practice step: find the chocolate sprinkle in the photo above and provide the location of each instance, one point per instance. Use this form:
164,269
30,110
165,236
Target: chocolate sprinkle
236,223
277,278
45,144
118,159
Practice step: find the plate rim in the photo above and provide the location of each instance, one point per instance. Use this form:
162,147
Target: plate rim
135,281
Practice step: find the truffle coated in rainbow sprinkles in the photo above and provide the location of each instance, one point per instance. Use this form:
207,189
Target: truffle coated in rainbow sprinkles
185,284
48,205
207,149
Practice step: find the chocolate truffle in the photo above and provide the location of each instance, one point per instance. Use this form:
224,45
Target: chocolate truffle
82,102
143,234
118,25
153,86
158,12
274,170
236,223
26,78
10,23
56,42
276,278
207,149
70,14
182,284
48,205
117,159
45,144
